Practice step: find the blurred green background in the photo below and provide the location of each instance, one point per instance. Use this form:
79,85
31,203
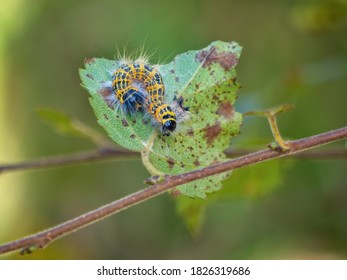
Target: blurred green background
294,52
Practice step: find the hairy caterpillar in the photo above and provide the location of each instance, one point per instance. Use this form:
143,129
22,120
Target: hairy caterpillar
138,86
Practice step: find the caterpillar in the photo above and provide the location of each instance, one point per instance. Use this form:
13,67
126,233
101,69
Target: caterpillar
139,86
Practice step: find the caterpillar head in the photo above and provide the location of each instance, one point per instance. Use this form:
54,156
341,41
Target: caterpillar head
168,127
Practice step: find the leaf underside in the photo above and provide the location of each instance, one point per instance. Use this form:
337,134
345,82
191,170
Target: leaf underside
206,80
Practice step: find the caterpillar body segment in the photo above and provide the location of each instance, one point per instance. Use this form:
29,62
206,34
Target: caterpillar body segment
139,87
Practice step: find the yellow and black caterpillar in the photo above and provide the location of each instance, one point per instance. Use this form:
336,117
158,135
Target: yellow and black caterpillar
139,87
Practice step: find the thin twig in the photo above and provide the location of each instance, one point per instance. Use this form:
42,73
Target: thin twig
42,239
331,154
83,157
113,153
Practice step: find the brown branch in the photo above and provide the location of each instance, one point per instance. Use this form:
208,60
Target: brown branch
83,157
114,153
321,155
42,239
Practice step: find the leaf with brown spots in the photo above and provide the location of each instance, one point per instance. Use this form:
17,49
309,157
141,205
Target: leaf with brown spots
206,80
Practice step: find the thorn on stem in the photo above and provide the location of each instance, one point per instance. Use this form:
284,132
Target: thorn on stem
28,250
155,179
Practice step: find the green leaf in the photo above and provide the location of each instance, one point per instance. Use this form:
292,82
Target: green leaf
254,181
192,211
64,124
131,132
59,121
206,80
